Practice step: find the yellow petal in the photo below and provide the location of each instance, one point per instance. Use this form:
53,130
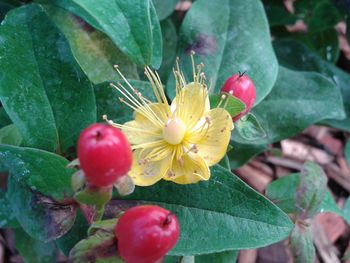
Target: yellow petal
145,173
191,103
158,109
213,138
191,168
144,129
138,132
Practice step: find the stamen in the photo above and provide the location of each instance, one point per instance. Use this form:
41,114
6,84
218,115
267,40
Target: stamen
148,144
193,65
144,108
153,118
126,128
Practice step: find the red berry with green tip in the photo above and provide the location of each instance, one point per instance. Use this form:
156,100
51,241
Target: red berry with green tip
241,87
146,233
104,154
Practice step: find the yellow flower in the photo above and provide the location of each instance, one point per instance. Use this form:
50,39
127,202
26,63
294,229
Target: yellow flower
176,142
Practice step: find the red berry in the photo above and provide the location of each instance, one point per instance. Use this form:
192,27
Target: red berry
146,233
104,154
241,87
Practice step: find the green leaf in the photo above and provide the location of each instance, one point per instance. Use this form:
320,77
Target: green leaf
108,103
242,217
225,162
223,257
170,37
34,251
311,190
324,16
4,118
303,249
346,211
278,14
132,26
47,96
39,191
94,51
74,235
228,36
173,259
324,43
233,105
241,153
7,5
296,56
249,128
101,247
328,204
164,8
283,193
297,100
10,135
7,217
348,26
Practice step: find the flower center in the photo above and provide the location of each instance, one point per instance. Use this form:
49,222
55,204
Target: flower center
174,131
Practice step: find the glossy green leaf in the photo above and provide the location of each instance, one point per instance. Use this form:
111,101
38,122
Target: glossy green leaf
132,26
223,257
46,93
242,153
34,251
348,26
283,193
296,56
324,43
7,217
164,8
10,135
170,37
38,191
302,246
233,105
244,218
94,51
329,205
225,162
346,211
7,5
4,118
324,16
278,14
249,129
311,190
297,100
173,259
228,36
108,103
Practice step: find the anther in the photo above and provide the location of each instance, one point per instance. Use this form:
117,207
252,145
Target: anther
194,148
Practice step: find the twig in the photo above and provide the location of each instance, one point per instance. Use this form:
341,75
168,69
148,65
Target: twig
324,247
288,163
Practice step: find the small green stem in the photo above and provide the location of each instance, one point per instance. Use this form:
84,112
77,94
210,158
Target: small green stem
99,211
